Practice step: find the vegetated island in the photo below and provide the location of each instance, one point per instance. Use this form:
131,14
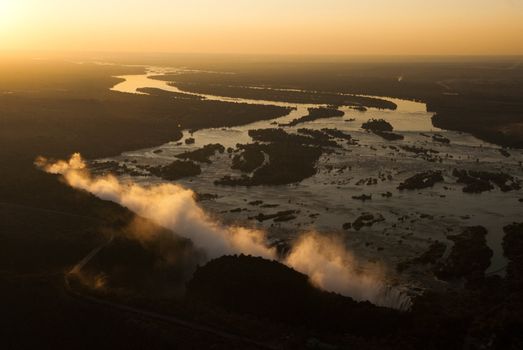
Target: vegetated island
290,158
316,113
268,94
381,128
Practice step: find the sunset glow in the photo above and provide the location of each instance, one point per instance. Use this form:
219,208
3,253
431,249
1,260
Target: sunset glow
266,27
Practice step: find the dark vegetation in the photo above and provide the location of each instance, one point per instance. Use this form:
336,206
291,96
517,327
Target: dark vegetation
481,181
45,227
381,128
430,155
312,97
481,314
316,113
327,136
268,289
54,109
431,256
288,163
389,136
504,153
337,134
366,220
479,95
377,125
469,257
43,115
176,170
114,168
281,136
200,197
204,154
315,134
513,248
250,158
291,158
440,138
363,197
422,180
163,93
419,150
262,298
147,261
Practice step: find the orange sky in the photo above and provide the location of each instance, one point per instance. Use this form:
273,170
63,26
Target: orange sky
265,27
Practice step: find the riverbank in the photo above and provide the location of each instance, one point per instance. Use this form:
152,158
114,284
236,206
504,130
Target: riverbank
46,226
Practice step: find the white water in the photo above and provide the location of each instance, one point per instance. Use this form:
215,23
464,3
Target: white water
329,193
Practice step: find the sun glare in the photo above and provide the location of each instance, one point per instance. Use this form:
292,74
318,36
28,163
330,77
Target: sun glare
7,13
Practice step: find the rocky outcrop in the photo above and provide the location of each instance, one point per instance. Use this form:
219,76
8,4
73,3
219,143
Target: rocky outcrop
367,220
422,180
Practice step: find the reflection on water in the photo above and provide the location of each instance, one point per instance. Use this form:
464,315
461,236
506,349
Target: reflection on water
413,220
409,115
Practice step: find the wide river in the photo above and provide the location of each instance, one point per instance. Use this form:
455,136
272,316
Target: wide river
413,219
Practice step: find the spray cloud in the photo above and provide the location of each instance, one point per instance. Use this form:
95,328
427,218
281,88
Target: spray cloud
324,259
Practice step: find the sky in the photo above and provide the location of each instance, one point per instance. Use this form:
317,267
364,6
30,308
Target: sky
344,27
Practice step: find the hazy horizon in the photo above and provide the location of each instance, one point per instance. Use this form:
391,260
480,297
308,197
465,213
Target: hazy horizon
288,27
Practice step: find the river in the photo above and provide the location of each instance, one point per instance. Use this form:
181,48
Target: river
413,219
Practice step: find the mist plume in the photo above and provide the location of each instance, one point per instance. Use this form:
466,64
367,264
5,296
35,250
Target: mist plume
330,266
324,259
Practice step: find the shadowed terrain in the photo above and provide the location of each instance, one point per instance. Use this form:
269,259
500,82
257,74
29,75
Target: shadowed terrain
54,108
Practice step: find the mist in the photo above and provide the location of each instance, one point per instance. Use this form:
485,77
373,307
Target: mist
329,265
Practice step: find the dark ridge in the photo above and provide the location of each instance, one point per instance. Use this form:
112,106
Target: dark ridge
268,289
